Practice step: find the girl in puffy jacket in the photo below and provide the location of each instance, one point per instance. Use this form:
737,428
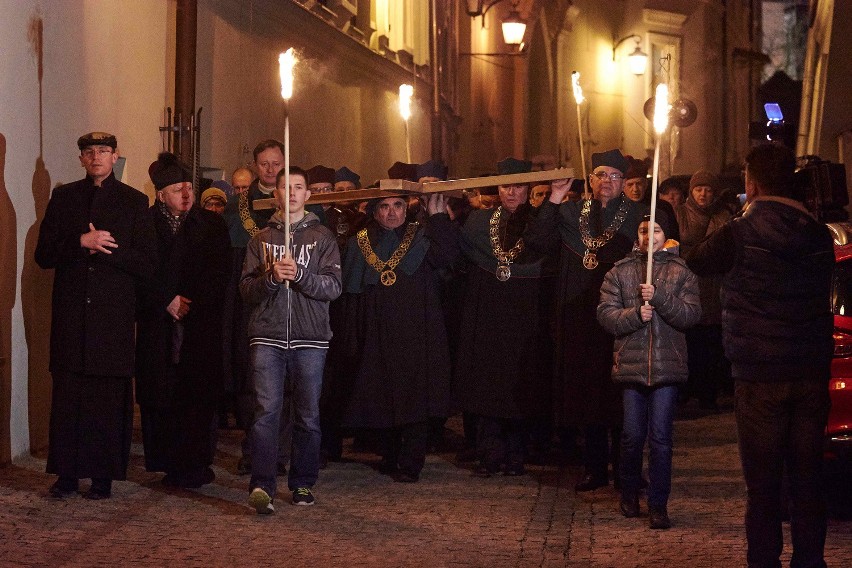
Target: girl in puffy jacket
649,360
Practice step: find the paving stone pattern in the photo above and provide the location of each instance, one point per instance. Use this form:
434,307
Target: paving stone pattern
362,518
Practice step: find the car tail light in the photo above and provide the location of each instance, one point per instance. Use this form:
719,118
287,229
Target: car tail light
839,384
842,344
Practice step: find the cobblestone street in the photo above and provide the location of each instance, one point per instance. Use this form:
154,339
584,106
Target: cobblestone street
362,518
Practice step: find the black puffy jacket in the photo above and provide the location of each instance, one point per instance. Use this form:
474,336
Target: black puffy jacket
776,294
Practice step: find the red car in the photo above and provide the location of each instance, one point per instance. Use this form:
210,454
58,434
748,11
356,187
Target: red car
839,429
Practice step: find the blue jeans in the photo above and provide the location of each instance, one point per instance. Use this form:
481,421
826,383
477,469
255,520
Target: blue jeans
781,427
648,413
301,370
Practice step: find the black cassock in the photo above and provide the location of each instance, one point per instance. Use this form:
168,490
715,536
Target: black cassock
92,333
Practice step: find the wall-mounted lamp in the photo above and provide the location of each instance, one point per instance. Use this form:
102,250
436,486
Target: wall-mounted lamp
637,61
514,27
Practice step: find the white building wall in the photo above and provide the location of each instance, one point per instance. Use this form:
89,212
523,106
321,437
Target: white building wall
103,67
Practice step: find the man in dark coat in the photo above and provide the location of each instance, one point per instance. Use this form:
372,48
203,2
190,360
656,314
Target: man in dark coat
777,325
98,236
402,362
504,368
595,234
179,375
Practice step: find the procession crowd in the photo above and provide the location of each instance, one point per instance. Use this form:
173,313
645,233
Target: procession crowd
537,311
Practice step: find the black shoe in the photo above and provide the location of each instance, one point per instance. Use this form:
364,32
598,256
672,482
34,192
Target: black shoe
197,478
387,467
172,480
483,470
590,482
404,477
282,470
514,470
467,455
629,506
63,487
658,518
101,489
244,465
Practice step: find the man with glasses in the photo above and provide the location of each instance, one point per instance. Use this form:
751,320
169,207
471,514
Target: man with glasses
98,236
595,232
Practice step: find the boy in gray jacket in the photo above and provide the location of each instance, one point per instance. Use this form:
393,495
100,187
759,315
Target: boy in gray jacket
648,321
288,293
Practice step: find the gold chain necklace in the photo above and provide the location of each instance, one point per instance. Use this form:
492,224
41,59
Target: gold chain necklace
248,223
504,258
385,269
590,259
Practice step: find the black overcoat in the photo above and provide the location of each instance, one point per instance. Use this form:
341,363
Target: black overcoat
94,295
194,263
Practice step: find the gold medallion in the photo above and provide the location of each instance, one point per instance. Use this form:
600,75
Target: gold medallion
590,261
388,277
372,259
503,272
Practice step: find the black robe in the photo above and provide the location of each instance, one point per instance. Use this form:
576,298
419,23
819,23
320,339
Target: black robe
400,348
178,399
93,326
504,363
584,393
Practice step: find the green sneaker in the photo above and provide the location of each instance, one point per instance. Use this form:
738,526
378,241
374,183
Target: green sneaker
261,501
303,496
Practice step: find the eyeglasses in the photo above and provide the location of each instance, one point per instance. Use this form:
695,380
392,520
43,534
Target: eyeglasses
92,152
603,176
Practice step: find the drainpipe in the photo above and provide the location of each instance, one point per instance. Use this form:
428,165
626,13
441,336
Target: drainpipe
725,81
436,84
185,48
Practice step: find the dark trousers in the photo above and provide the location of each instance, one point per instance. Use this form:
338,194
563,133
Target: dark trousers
781,425
600,449
501,441
91,424
706,359
405,447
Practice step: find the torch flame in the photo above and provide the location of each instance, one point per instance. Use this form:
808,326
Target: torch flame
286,62
661,108
578,91
405,93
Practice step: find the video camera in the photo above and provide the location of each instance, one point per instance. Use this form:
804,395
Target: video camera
819,184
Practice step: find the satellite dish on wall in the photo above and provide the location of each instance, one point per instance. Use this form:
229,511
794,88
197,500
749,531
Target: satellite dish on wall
682,114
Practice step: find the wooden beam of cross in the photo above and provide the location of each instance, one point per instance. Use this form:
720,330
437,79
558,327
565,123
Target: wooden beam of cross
401,187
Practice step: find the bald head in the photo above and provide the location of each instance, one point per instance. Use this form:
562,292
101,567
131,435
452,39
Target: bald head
241,180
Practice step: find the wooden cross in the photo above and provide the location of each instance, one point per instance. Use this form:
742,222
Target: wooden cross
402,187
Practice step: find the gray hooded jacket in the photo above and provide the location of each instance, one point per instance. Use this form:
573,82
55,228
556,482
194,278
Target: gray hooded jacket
294,317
